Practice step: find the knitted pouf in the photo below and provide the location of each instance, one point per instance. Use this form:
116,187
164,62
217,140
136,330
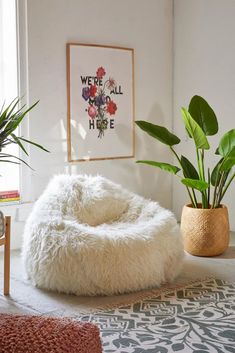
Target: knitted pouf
89,236
37,334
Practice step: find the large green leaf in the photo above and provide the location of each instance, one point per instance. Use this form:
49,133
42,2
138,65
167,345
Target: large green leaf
204,115
229,160
227,143
215,171
195,184
164,166
228,164
224,167
188,169
158,132
195,130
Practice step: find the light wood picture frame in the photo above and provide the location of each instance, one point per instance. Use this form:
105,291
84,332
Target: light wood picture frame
100,102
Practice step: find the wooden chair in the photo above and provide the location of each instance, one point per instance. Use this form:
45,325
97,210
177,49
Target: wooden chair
5,240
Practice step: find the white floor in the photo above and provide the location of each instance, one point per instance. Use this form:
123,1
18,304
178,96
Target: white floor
25,298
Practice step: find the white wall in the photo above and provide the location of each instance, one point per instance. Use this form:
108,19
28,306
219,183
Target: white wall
146,27
204,52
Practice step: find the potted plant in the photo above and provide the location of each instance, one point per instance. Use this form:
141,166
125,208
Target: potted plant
10,119
204,221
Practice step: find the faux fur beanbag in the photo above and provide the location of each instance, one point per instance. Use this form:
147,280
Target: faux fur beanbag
89,236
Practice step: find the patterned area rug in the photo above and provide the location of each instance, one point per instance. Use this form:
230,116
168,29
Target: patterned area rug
197,318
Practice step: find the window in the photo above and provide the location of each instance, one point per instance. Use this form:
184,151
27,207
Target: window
9,179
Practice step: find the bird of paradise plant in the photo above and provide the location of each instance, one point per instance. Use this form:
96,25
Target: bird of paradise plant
200,121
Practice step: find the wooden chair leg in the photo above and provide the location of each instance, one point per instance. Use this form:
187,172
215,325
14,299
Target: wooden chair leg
6,289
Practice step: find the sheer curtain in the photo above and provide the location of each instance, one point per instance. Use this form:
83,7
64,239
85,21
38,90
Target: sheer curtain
9,173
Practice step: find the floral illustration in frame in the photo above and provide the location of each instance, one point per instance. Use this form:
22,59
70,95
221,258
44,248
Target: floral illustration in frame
100,94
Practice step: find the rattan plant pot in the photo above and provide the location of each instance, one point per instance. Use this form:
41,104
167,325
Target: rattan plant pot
205,231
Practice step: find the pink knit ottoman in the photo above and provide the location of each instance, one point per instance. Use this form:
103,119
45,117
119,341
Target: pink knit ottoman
36,334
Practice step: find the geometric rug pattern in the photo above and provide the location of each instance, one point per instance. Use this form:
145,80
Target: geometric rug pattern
197,318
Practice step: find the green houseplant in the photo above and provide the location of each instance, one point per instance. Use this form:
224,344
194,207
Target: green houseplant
10,119
206,188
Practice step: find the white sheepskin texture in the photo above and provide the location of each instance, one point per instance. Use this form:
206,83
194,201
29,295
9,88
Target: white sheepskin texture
88,236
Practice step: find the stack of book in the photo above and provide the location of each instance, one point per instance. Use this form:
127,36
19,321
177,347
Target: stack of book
10,195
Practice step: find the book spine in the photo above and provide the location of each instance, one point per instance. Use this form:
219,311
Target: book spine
10,199
6,192
9,196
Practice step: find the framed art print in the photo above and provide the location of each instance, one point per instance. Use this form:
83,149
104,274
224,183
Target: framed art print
100,95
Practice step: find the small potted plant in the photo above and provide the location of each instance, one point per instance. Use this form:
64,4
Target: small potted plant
204,221
10,119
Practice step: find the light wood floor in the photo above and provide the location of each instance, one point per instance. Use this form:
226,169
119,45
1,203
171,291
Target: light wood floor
25,298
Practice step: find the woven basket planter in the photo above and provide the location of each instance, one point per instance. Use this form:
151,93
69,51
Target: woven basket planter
205,231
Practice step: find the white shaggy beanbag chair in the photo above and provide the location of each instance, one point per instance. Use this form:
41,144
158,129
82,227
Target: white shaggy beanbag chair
89,236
